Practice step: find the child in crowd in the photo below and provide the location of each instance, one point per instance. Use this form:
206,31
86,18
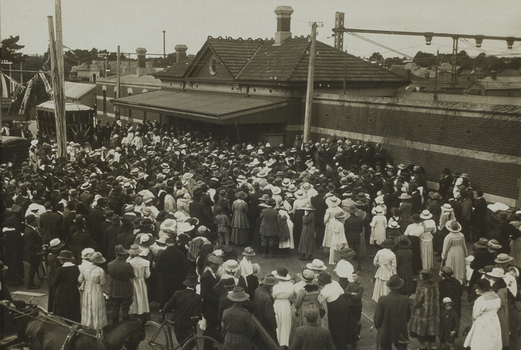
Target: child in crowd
223,226
449,325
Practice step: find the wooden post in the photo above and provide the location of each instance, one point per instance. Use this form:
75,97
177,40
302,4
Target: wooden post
311,79
59,103
59,99
118,83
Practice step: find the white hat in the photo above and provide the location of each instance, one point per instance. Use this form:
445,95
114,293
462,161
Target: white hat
86,253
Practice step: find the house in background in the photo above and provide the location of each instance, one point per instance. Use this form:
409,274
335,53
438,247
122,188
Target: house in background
506,86
255,89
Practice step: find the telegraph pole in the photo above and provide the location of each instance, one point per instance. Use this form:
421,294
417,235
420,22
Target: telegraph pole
59,100
436,76
311,80
59,89
164,49
118,83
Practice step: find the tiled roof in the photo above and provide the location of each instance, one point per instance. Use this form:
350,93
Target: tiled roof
177,70
261,60
500,83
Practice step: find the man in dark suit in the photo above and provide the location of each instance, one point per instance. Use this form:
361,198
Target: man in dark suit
121,290
81,239
200,210
172,267
94,221
68,223
187,305
210,306
311,336
48,223
391,317
103,230
478,215
33,245
264,310
353,228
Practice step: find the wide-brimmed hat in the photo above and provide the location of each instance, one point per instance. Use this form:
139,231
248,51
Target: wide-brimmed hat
388,243
120,250
333,202
300,194
324,277
282,274
503,258
144,239
66,255
97,258
276,190
453,226
395,282
316,264
482,243
393,224
168,225
56,244
404,196
435,195
270,280
446,207
212,259
292,188
248,251
308,276
425,215
496,272
262,173
184,227
86,253
191,281
494,244
241,195
379,210
238,295
230,265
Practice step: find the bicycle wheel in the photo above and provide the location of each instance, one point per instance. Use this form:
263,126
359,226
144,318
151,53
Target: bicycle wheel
155,337
41,273
198,343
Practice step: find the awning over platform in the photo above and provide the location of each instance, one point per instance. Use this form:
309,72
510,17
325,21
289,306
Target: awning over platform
210,107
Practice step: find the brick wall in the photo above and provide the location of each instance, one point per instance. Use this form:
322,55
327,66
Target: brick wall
482,140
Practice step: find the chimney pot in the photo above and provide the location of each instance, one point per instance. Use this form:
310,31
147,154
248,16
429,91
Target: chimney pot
141,64
180,53
283,23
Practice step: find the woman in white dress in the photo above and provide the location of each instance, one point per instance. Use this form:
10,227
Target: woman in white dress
283,295
338,235
455,250
385,261
141,268
91,279
429,230
333,208
378,227
286,220
485,333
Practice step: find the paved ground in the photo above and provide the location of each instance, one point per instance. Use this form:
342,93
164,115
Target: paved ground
295,266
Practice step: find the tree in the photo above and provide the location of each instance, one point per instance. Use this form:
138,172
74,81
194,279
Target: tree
424,59
10,47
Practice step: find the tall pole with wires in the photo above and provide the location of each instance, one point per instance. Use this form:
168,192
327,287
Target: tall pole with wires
311,81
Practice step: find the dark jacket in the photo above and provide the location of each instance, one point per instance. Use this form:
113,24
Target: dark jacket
353,226
185,304
391,317
66,293
79,241
264,310
121,274
238,328
451,287
210,296
33,244
50,225
269,222
312,337
200,211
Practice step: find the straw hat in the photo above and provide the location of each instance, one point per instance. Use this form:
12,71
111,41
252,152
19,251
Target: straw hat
453,226
316,264
494,244
503,258
496,272
56,244
185,227
144,239
333,202
230,266
276,190
300,194
248,251
426,215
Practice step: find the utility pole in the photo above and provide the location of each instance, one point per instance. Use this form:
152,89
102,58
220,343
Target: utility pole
436,76
311,81
59,103
118,83
59,100
164,49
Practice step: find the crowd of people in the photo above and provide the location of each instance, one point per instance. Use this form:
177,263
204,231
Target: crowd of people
174,218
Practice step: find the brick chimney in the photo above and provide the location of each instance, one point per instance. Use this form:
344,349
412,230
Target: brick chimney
141,64
283,23
180,53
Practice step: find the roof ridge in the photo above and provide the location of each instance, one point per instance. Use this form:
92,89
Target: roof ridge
251,57
299,61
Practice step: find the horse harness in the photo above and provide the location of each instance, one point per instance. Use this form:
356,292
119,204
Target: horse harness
74,331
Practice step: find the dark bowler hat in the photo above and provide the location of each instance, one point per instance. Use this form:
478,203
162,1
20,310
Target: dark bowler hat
191,281
395,282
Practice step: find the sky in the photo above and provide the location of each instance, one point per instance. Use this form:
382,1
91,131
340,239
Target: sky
105,24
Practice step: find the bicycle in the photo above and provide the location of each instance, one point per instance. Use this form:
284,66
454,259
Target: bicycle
159,336
42,271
